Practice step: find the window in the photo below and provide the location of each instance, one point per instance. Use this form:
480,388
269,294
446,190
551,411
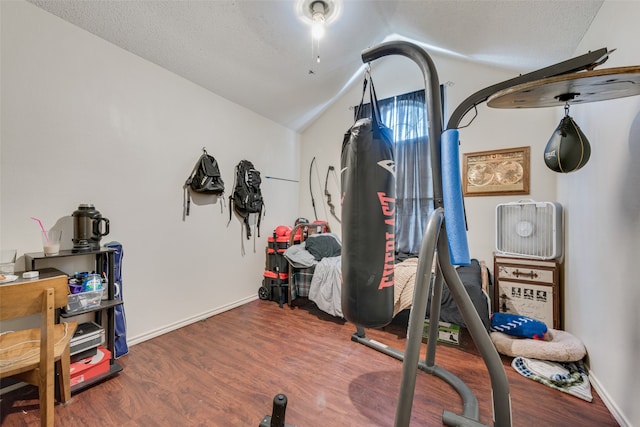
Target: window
406,116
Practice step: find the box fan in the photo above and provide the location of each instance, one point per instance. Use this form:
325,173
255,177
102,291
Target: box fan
529,229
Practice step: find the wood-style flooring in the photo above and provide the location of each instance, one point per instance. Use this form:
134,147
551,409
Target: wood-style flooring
226,370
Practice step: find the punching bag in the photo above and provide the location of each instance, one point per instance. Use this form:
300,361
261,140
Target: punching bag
368,219
568,148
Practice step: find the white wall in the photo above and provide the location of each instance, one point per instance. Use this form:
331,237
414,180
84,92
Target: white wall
84,121
492,129
602,296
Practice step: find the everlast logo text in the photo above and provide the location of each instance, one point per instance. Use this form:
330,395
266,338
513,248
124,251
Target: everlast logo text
388,205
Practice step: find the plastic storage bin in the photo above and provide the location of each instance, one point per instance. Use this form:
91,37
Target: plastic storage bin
83,301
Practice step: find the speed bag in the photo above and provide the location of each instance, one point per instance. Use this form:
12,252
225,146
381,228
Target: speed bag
368,224
568,148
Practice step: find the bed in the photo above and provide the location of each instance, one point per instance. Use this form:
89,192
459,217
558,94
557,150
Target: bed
315,273
314,256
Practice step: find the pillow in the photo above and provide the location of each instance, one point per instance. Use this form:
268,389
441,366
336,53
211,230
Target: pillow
299,257
323,245
518,326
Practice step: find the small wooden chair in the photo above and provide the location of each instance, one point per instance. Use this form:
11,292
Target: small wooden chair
32,355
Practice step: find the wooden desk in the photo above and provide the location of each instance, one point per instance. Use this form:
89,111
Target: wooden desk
45,273
106,307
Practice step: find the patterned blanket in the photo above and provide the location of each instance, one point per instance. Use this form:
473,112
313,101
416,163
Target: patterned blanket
568,377
404,283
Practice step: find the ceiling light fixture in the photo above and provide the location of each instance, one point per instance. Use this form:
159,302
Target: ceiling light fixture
318,14
331,10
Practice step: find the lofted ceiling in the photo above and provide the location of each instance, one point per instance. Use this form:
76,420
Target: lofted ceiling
258,53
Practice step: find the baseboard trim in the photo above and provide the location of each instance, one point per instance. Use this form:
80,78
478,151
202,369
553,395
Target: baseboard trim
188,321
608,401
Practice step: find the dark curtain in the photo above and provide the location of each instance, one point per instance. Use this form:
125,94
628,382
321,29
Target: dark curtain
406,116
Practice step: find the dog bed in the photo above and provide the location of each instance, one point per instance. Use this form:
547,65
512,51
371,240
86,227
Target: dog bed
558,346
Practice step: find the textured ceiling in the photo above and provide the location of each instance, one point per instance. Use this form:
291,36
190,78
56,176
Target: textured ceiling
257,53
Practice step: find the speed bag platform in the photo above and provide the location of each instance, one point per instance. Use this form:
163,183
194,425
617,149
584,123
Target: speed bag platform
368,224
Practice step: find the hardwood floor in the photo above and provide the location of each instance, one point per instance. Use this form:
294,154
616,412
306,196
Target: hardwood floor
226,370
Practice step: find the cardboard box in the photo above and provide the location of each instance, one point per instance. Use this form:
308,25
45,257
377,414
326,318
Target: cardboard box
447,332
86,369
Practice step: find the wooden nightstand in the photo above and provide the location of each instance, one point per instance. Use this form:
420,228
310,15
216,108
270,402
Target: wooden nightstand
529,287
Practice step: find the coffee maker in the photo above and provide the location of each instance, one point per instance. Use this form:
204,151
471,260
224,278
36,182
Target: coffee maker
88,228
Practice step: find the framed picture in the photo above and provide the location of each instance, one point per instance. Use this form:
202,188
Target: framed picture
488,173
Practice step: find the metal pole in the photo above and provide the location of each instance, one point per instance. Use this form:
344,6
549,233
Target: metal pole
583,62
432,99
432,237
416,319
499,383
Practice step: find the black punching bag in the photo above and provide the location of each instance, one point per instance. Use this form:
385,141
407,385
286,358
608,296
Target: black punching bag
368,221
568,149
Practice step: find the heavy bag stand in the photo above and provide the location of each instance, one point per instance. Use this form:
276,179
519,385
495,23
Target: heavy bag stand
436,239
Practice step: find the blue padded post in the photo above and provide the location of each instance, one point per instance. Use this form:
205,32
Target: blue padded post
455,223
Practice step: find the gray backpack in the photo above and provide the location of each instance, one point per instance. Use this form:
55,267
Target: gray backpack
205,178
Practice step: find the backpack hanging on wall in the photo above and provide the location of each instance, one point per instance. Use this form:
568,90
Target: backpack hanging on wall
247,197
205,178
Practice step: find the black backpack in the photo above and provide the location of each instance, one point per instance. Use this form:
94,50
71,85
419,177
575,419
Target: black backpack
247,197
205,178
